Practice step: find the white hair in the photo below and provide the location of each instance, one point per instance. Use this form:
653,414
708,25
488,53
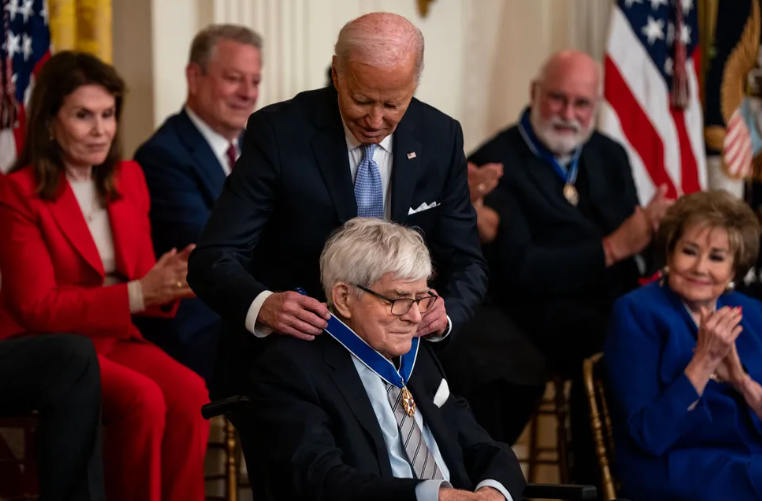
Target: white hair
380,39
365,249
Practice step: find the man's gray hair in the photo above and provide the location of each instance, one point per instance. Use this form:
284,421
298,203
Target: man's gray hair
205,41
365,249
380,39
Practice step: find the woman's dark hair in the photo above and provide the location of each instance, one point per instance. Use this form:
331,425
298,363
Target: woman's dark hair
61,75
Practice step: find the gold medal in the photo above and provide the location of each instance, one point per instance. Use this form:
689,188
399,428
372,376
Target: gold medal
570,194
407,402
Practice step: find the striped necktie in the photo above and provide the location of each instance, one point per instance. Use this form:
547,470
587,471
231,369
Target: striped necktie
421,459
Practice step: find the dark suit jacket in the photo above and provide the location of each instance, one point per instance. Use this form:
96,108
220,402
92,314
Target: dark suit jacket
292,187
313,435
184,179
547,264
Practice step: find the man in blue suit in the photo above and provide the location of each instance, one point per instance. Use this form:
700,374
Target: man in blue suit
186,162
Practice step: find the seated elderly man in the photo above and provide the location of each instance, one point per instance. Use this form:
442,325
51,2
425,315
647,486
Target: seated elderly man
364,410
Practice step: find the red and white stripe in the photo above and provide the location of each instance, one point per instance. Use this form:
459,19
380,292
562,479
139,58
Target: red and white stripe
12,140
665,145
737,149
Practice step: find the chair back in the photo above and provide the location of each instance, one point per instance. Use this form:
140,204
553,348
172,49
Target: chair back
600,422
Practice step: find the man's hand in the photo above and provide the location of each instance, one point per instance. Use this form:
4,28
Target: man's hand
489,494
482,180
448,494
657,207
294,314
632,236
434,320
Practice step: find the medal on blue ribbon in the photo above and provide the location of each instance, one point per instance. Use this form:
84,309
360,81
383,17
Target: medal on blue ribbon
568,176
376,362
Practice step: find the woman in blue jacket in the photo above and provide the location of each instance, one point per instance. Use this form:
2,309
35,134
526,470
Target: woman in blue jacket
684,357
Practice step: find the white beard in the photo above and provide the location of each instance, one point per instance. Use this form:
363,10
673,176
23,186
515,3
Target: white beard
559,144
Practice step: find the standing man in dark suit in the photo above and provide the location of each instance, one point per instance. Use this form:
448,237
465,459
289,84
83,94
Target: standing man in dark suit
186,162
364,412
570,222
364,147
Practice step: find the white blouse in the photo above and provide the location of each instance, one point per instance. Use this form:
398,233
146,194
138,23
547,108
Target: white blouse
97,219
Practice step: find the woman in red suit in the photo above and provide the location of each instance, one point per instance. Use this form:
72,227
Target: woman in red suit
76,256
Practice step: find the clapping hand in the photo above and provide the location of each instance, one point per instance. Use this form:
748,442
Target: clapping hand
166,281
657,207
482,180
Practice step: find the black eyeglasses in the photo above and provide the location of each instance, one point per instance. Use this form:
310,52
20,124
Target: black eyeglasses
403,305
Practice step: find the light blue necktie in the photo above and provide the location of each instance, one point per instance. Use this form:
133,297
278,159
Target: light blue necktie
369,193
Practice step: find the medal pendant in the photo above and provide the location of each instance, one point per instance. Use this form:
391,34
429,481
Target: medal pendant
571,195
408,404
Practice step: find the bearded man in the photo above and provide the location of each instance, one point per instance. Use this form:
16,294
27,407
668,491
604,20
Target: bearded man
570,222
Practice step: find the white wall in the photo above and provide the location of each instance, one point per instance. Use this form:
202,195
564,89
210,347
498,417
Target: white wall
480,54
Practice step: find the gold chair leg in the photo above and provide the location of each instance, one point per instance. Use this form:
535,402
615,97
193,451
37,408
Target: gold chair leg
231,464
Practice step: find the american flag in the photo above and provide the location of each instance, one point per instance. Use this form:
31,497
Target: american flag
25,34
652,102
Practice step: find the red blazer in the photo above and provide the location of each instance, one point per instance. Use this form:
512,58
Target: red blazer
52,275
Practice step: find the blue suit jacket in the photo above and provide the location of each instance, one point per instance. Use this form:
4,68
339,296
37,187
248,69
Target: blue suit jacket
665,451
184,179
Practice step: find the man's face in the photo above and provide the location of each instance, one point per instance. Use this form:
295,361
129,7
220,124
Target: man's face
563,108
224,95
373,100
372,319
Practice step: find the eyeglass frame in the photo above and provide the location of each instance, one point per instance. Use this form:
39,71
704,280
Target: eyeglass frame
392,301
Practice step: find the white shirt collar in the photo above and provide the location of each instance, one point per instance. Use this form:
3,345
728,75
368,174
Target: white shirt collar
353,143
217,142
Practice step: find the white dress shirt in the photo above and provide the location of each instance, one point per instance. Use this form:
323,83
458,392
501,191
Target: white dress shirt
383,157
428,490
217,143
98,222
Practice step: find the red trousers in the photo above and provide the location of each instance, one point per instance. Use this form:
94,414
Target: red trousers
155,437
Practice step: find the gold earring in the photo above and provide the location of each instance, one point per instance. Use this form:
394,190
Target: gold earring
731,285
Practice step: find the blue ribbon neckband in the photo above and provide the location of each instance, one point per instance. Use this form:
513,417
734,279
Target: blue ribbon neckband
373,360
540,151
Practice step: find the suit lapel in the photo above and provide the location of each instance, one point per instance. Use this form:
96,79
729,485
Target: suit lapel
407,157
350,385
206,163
330,149
68,215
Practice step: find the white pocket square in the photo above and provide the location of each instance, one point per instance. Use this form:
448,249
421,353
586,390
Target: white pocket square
424,206
443,393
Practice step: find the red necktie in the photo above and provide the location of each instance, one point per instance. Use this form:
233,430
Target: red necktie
231,156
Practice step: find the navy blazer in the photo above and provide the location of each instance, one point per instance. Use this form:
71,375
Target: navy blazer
292,187
184,179
664,450
310,432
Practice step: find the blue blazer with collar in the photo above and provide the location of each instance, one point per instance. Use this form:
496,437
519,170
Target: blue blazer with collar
664,450
184,179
